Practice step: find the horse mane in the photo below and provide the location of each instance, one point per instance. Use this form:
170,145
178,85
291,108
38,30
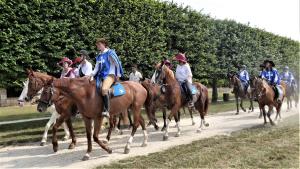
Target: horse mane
168,72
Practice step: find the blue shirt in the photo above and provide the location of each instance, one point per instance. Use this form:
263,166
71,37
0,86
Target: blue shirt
271,76
244,76
287,77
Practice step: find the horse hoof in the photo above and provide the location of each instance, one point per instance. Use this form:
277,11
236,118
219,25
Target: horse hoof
144,145
206,124
66,138
71,146
104,141
177,134
42,143
236,113
121,132
273,123
198,130
156,128
193,123
126,150
55,149
109,151
165,138
163,129
85,158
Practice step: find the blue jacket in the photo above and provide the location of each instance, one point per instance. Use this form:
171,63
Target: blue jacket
287,77
244,76
104,64
271,76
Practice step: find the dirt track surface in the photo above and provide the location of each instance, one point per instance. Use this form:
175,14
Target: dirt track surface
35,156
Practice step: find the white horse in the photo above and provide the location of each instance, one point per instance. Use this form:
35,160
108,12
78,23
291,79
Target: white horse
51,109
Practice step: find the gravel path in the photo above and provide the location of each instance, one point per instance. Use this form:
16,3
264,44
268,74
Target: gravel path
35,156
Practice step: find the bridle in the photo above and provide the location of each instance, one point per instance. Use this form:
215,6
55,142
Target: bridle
50,91
36,82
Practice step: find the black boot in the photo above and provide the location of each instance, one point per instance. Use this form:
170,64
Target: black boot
106,101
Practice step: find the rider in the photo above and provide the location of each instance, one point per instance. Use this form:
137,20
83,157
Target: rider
244,77
85,68
184,75
107,70
287,76
135,75
68,71
271,75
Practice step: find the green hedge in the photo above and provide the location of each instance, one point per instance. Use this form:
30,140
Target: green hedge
38,33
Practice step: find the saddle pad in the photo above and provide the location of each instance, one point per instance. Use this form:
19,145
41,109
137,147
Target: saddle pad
194,89
118,89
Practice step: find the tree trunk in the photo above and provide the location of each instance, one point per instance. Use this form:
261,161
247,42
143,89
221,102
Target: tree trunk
214,91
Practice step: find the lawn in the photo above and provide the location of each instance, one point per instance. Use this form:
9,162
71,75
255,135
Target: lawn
19,113
258,147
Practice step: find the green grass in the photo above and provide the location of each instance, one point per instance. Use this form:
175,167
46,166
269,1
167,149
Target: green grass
19,113
258,147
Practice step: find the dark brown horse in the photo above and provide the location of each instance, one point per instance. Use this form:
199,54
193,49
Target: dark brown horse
266,97
90,105
239,92
65,107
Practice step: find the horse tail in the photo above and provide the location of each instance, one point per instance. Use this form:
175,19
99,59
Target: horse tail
206,102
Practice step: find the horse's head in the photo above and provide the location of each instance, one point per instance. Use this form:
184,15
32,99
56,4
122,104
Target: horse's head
259,86
233,79
36,82
46,98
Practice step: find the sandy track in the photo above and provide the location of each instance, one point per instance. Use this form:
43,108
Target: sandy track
35,156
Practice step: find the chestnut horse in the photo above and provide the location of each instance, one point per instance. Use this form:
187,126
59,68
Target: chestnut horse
266,97
65,107
239,92
157,99
175,100
90,104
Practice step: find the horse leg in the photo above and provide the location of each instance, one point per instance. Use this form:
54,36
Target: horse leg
241,104
70,127
260,113
237,105
191,114
129,118
98,123
177,120
136,122
66,129
59,121
172,113
264,113
142,123
87,123
111,126
165,119
251,108
269,115
51,121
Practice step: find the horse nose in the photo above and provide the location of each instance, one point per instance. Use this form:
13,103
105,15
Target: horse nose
27,98
40,109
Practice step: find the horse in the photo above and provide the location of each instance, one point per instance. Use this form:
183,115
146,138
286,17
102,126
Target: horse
157,99
266,96
54,114
175,98
90,104
292,92
239,92
65,108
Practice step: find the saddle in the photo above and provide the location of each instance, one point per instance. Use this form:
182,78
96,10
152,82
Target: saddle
117,89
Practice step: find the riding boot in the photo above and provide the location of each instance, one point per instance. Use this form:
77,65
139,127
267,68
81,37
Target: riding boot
106,101
190,95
